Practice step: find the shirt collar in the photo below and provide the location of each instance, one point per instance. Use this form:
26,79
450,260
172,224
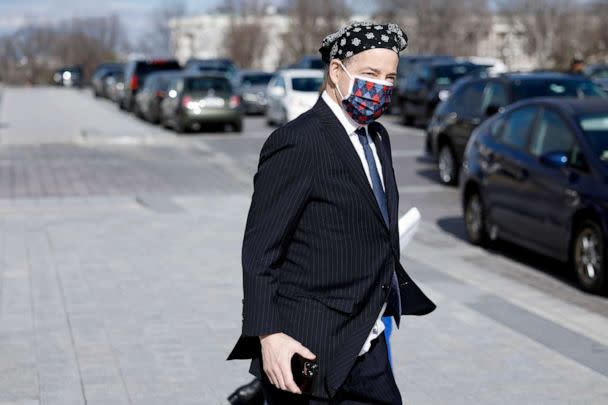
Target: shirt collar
347,122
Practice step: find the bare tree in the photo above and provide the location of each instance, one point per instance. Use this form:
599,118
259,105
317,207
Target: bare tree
32,53
440,26
309,22
246,38
157,41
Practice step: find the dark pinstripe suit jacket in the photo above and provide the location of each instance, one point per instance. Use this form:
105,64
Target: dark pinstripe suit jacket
317,256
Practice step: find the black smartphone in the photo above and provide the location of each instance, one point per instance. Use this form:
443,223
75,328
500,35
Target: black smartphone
303,371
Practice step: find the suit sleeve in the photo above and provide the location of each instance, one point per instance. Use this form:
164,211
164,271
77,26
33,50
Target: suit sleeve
281,188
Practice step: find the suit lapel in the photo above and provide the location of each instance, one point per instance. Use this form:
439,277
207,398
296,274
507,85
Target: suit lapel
338,138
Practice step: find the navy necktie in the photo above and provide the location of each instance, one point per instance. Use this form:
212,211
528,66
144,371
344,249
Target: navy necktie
394,298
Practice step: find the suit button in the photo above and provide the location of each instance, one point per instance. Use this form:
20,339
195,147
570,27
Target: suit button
384,286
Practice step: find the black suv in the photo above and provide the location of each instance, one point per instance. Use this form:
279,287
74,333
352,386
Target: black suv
135,73
428,84
472,100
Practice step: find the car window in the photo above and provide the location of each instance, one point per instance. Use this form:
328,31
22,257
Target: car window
595,130
280,82
308,84
551,134
218,84
517,126
467,101
569,87
495,95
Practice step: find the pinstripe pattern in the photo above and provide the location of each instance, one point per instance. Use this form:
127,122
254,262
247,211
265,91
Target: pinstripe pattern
317,255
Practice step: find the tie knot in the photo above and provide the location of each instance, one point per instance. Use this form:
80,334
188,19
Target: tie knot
362,135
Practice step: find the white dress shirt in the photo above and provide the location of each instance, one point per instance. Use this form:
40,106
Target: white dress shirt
350,126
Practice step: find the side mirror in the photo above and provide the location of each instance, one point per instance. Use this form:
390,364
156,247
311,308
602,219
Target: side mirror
557,159
491,110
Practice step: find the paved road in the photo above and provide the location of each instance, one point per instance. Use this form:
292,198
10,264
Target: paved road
120,272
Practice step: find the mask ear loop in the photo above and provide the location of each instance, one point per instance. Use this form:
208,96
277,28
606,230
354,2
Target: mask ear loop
351,82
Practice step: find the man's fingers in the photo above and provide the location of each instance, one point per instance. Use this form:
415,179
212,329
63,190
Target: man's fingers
278,373
290,384
304,352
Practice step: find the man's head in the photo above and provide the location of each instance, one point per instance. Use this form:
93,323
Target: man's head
379,63
363,49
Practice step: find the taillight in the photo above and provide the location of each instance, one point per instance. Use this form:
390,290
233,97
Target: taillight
133,82
186,100
235,101
160,93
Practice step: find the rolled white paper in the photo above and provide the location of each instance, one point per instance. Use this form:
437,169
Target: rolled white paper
408,225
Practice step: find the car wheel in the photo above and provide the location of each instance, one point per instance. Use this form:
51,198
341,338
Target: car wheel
474,219
589,257
446,163
237,126
180,128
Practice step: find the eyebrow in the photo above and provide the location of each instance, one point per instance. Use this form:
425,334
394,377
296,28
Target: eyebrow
376,71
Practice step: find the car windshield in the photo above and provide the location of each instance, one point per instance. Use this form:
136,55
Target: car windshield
309,84
595,129
600,73
256,80
447,74
556,88
146,68
218,84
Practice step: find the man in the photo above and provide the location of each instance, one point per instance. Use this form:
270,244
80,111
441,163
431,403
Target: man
321,245
577,66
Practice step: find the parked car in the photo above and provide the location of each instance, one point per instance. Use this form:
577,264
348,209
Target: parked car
474,100
224,65
599,74
537,175
98,79
135,74
292,92
194,100
114,85
68,76
309,62
152,93
428,85
407,63
252,85
495,65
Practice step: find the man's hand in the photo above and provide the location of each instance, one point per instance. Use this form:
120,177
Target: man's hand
277,350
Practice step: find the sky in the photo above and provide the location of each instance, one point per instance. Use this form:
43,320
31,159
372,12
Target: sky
134,13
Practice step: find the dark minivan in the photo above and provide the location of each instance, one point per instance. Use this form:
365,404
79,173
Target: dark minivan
135,74
474,100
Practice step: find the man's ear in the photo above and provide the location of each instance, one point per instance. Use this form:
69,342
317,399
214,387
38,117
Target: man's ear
334,71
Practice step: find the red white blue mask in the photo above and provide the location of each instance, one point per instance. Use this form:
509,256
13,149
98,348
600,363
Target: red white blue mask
367,99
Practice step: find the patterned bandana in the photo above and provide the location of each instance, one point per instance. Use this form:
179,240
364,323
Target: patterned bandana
368,98
360,36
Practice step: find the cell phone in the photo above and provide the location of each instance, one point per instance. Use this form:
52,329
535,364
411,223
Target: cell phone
303,371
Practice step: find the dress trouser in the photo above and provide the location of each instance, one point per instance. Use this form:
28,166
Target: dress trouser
370,381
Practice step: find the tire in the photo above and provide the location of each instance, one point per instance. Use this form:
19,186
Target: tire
180,128
474,219
237,126
447,165
588,257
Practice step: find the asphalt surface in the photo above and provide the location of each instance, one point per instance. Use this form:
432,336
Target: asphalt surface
120,271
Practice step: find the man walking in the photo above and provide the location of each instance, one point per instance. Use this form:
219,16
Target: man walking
321,246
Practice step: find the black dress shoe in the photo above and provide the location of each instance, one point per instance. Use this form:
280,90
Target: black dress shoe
248,394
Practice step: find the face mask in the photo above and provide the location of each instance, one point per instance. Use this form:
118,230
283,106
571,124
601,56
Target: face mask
368,98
